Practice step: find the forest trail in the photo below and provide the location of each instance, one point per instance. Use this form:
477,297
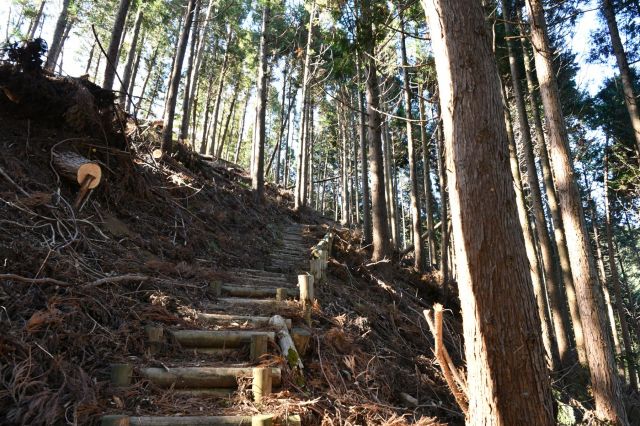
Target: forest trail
235,345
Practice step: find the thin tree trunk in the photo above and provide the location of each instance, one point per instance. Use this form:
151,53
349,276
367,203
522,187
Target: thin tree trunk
114,44
234,98
355,180
134,76
630,99
551,271
414,191
444,207
176,73
58,37
426,168
548,338
344,178
287,154
183,134
299,199
219,95
128,69
615,282
152,64
604,381
495,285
257,168
31,33
366,208
392,213
90,60
241,128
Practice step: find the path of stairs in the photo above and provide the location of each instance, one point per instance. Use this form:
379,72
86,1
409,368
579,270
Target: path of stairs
242,323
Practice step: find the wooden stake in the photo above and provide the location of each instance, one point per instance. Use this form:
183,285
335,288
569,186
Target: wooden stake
261,385
262,420
281,294
305,282
121,374
115,420
215,288
154,338
259,343
301,338
293,420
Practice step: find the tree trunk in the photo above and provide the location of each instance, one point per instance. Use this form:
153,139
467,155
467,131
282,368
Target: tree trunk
366,208
548,338
151,66
219,95
605,383
615,282
392,213
176,73
299,199
114,44
630,99
31,33
428,196
183,134
551,271
344,175
241,128
257,168
58,37
128,69
234,98
444,207
495,285
419,261
134,76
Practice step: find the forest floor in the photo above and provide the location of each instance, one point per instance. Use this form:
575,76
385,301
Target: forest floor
77,286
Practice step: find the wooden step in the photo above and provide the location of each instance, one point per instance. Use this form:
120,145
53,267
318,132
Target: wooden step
261,293
218,338
217,318
202,377
246,301
115,420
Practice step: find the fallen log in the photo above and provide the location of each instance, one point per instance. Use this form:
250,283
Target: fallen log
285,341
77,168
202,377
218,339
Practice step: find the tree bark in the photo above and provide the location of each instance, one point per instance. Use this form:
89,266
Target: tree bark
391,195
605,383
241,128
176,73
630,99
615,282
183,134
58,37
134,76
414,191
495,284
234,98
114,44
257,168
128,69
444,207
551,270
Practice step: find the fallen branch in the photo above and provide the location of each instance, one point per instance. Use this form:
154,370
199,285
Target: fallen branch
15,277
451,374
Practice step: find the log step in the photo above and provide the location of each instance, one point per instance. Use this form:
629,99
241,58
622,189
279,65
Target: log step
225,318
202,377
246,301
218,339
115,420
265,292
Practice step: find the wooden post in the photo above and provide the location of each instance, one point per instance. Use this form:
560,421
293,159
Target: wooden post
305,282
293,420
281,294
301,338
154,338
215,288
262,420
261,386
121,374
115,420
259,344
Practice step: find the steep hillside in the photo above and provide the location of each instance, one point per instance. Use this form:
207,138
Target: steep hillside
78,285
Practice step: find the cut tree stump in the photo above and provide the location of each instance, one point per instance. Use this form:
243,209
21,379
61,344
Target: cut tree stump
201,377
218,339
259,344
77,168
121,374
